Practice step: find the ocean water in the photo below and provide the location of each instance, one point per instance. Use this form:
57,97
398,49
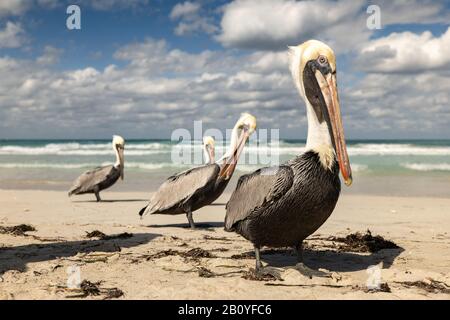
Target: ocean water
54,164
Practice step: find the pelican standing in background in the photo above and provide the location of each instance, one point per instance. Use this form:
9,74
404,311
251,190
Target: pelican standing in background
195,188
208,149
98,179
281,206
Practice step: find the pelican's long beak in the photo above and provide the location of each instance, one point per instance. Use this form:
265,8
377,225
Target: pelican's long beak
230,164
121,160
328,87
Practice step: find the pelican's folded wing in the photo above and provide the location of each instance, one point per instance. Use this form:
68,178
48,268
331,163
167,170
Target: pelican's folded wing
255,190
89,179
178,188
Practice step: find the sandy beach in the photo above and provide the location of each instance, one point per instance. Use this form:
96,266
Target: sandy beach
160,258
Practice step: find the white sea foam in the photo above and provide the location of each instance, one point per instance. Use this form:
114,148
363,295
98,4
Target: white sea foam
73,150
46,165
427,166
135,165
142,149
356,167
397,149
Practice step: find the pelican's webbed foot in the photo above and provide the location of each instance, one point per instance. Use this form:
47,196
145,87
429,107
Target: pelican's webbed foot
267,272
310,273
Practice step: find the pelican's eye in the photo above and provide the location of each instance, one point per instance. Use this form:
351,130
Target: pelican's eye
322,60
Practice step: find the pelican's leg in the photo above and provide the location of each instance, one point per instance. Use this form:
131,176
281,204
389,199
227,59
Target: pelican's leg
97,194
190,219
258,259
303,269
264,271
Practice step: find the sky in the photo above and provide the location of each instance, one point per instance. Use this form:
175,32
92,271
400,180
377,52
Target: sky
143,68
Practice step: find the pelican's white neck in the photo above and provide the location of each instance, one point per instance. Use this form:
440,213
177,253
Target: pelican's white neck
206,155
318,134
117,164
233,144
319,139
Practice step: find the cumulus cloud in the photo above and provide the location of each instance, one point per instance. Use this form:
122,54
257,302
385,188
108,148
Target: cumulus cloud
155,87
115,4
412,11
191,19
185,9
273,24
157,90
394,103
13,7
19,7
50,56
406,52
12,36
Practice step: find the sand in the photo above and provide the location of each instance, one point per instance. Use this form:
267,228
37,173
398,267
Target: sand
37,265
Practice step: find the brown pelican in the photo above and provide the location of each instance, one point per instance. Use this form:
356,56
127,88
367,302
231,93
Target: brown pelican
93,181
281,206
195,188
208,149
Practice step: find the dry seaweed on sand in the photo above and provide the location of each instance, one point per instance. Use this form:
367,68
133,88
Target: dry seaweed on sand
88,288
206,237
193,254
429,285
384,287
220,249
358,242
162,254
102,236
18,230
197,253
205,273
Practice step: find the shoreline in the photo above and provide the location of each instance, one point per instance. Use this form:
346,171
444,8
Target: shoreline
423,185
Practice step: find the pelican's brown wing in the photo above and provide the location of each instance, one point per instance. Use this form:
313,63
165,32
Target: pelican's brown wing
256,190
177,189
87,181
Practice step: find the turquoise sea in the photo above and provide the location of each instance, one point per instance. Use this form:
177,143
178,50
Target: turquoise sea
52,164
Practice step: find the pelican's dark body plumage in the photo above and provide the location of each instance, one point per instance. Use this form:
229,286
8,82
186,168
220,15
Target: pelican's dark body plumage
96,180
290,202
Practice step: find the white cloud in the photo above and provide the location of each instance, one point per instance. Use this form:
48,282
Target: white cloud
156,87
161,88
13,7
407,52
274,24
19,7
191,19
50,56
155,83
49,4
184,9
115,4
12,36
412,11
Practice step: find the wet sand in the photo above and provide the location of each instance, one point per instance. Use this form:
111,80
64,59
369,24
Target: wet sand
160,258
